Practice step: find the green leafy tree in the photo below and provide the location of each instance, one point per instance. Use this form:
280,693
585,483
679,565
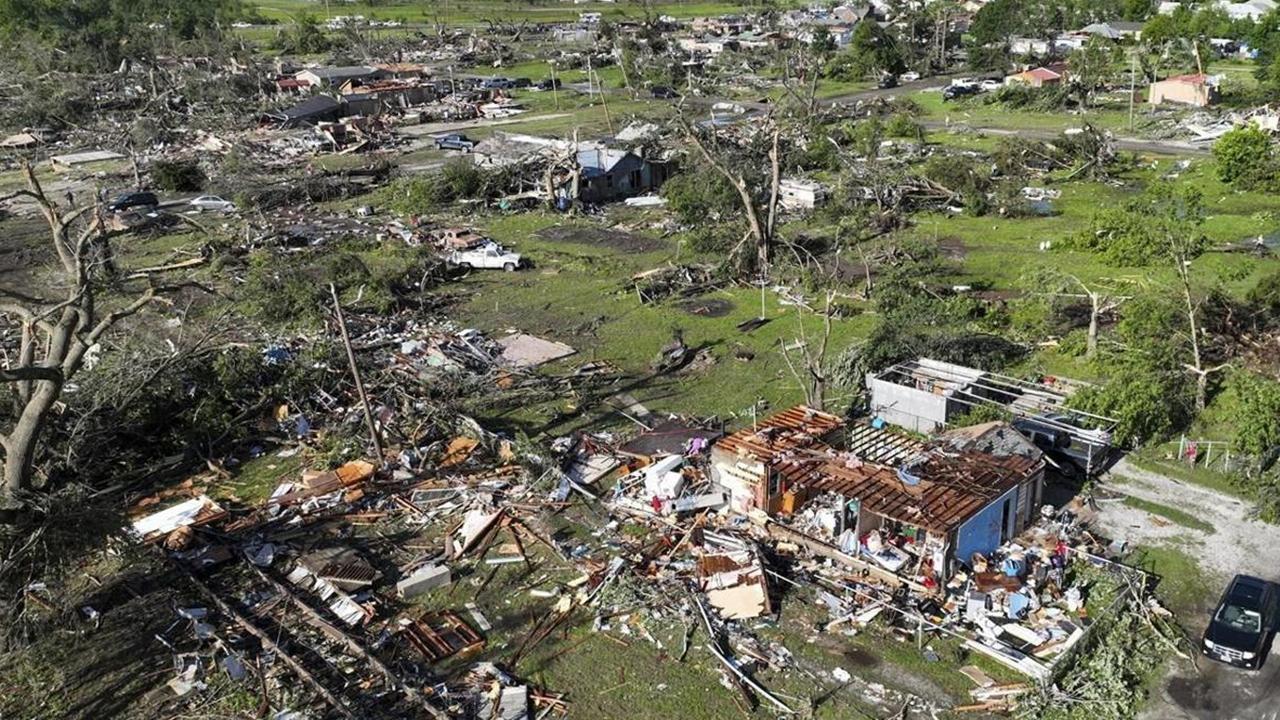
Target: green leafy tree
871,51
1256,412
1093,67
1246,158
178,175
95,35
1149,396
996,23
303,37
1163,221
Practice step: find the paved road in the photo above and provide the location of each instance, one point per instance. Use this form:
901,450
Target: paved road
1129,144
1237,544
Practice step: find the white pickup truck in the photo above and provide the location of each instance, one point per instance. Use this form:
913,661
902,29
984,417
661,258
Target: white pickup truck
488,257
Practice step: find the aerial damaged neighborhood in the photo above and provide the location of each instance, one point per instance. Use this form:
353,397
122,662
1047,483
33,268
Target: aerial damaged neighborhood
640,359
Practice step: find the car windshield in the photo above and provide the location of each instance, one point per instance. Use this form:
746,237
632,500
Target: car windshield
1240,618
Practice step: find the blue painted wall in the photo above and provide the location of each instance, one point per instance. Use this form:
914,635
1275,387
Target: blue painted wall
981,533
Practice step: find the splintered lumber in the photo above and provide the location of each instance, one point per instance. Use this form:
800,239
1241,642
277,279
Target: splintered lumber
827,550
270,644
741,679
355,646
438,635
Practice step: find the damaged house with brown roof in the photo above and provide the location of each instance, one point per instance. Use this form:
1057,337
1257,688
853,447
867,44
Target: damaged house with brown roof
909,506
963,494
759,465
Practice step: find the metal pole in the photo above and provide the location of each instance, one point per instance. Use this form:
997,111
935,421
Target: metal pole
355,373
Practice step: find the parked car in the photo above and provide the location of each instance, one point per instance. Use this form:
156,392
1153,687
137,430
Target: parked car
911,76
888,81
662,92
548,84
487,257
128,201
1243,623
521,83
1073,457
212,203
990,85
455,141
951,92
497,83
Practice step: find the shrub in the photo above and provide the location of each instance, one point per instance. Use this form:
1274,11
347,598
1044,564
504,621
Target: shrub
177,175
1246,158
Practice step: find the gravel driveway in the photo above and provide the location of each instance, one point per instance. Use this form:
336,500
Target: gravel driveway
1238,544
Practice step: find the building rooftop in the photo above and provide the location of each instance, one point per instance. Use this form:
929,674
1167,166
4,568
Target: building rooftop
938,489
770,439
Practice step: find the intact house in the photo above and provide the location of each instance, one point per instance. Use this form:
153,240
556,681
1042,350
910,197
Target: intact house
762,464
1114,30
1253,10
1197,89
961,495
1045,76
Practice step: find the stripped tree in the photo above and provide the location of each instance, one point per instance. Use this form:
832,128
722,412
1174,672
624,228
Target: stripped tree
58,333
760,209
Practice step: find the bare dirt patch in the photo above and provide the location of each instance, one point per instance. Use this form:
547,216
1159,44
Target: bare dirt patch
706,307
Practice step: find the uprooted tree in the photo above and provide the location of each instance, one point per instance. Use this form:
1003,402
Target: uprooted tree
57,334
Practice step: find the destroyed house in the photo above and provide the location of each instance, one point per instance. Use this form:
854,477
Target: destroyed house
1199,90
759,465
312,111
392,93
927,395
324,77
608,174
504,149
967,493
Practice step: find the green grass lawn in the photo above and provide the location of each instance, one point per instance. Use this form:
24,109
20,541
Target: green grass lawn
1154,459
1172,514
1184,587
576,294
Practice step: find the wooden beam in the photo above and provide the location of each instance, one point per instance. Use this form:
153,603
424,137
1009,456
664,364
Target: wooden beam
827,550
305,675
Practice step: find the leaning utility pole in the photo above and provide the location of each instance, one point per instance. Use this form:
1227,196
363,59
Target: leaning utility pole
355,373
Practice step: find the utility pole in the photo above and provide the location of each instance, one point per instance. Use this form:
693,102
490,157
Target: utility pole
605,102
555,92
355,373
1133,67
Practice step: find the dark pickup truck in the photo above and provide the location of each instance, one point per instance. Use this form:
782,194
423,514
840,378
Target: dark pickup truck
1240,631
455,141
